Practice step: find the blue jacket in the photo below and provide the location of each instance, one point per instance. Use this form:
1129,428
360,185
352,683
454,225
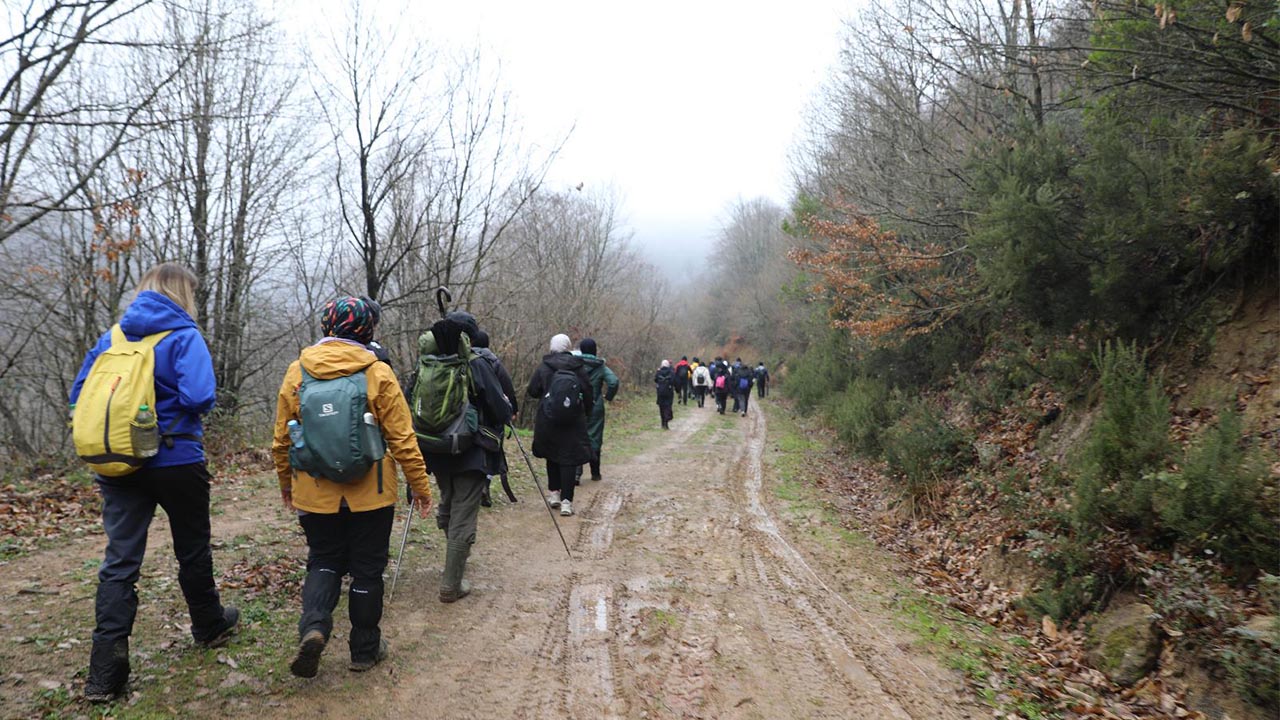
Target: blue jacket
185,386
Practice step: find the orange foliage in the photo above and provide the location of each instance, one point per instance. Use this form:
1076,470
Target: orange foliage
881,287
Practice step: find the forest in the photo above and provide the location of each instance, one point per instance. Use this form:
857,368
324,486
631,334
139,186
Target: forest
1029,275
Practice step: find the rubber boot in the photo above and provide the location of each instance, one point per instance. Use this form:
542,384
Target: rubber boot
452,586
108,671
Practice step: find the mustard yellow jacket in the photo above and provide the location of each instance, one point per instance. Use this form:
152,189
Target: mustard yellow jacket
335,358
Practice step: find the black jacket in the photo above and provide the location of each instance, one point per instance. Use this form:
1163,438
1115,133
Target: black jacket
504,378
664,381
563,444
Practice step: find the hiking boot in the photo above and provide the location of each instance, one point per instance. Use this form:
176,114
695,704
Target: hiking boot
108,671
368,663
452,585
596,478
486,500
553,498
566,508
307,662
223,632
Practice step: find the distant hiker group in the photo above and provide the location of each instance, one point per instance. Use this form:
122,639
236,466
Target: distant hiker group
674,384
343,424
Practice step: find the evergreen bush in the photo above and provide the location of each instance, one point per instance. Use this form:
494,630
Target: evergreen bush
1126,446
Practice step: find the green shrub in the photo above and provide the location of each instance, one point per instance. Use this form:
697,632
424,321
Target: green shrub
861,414
1215,501
1076,583
1127,445
823,370
922,446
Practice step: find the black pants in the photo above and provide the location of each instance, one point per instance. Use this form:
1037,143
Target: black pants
562,478
745,398
682,392
700,393
737,401
346,543
760,392
128,504
721,399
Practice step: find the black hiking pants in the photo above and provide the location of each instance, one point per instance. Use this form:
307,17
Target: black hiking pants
700,393
128,504
722,398
745,397
346,543
760,391
562,478
682,391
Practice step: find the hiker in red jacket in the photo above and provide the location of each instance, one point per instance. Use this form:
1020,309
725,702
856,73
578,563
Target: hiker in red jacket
683,376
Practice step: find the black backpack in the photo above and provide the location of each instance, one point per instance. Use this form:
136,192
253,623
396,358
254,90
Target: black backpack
562,404
682,372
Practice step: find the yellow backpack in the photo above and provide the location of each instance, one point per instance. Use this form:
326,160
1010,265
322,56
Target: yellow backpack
113,422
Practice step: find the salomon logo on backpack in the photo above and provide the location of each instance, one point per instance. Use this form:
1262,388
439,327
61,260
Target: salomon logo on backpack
113,424
562,403
338,442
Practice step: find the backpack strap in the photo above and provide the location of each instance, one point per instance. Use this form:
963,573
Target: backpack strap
148,341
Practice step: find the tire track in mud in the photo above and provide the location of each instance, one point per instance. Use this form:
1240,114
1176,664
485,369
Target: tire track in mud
849,644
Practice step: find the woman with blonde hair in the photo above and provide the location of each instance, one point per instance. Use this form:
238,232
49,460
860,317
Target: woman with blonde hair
175,478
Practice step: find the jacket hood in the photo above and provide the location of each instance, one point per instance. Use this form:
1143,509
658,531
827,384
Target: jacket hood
591,361
563,361
666,371
152,312
332,358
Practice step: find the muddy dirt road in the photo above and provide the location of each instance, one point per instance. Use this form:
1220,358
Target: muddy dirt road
685,601
693,594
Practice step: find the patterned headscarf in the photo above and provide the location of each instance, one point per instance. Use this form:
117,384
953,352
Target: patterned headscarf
349,318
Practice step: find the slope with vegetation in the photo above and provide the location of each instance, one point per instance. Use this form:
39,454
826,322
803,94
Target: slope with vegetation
1035,286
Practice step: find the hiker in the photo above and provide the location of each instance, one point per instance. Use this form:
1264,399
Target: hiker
480,346
734,371
179,389
335,472
683,372
563,387
664,381
460,460
701,382
604,386
742,380
762,380
720,384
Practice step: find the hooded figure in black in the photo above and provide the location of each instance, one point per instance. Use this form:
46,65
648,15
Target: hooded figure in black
664,382
564,445
480,346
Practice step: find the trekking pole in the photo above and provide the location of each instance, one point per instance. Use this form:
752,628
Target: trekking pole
404,539
534,475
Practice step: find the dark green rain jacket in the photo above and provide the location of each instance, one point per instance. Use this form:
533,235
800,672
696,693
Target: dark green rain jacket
599,373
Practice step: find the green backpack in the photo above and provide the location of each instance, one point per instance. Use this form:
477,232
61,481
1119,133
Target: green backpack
444,419
338,438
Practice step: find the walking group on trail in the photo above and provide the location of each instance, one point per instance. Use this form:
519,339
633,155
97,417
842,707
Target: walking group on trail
343,424
718,378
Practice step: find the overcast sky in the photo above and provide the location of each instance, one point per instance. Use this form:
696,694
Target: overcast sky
682,107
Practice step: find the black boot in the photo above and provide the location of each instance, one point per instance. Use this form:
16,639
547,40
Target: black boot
220,633
108,671
320,592
365,605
